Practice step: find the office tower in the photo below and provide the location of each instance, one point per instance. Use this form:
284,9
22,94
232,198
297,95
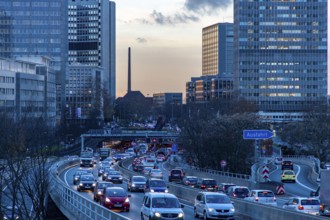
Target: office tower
92,37
218,49
36,28
281,53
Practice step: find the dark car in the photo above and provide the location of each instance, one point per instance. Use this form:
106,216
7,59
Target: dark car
223,187
190,181
238,191
138,168
325,210
78,173
114,177
86,182
136,183
99,189
106,172
102,169
287,165
155,185
176,174
115,198
207,184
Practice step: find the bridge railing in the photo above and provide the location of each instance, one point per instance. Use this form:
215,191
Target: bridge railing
71,203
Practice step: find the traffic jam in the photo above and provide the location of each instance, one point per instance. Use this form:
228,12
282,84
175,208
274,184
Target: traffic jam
213,201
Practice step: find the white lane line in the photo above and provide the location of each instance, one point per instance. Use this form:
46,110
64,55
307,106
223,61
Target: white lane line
274,170
129,167
65,175
299,181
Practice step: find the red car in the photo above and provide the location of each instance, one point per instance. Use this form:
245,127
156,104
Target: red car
115,198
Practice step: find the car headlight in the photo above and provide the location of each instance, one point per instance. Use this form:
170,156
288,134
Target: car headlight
107,200
166,190
76,178
180,215
133,184
232,209
211,209
99,192
152,190
81,184
127,200
105,174
109,177
120,178
93,184
157,214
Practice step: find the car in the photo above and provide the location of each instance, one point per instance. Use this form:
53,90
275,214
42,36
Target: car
102,169
146,170
136,183
106,172
287,165
99,189
262,196
114,177
86,182
130,151
278,160
161,206
238,191
155,185
303,204
160,157
223,187
150,162
117,157
78,173
115,198
155,173
207,184
288,176
138,168
11,212
190,181
176,175
213,205
325,210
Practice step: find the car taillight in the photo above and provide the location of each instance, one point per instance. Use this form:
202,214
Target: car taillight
203,186
321,208
301,207
256,199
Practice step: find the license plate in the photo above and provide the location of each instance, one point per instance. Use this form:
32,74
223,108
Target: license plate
117,205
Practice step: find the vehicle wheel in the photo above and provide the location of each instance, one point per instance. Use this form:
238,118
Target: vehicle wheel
205,216
195,213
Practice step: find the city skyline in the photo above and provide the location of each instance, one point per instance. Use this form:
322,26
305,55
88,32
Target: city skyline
166,41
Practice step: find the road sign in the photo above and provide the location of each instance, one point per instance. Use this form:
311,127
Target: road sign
223,163
257,134
174,147
280,190
265,172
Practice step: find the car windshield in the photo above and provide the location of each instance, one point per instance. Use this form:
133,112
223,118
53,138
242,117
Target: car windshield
85,177
113,173
192,179
217,199
139,179
209,182
80,173
156,171
288,172
310,202
225,187
116,193
157,183
265,194
241,191
165,203
103,185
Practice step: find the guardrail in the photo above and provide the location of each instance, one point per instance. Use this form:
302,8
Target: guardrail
71,203
250,210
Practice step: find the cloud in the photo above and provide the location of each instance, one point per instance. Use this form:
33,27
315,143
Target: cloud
206,6
141,40
177,18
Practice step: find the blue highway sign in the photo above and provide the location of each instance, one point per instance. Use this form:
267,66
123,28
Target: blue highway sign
257,134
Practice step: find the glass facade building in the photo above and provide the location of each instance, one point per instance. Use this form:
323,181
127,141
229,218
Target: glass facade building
281,53
36,27
218,49
92,37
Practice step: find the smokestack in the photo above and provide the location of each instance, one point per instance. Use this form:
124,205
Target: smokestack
129,71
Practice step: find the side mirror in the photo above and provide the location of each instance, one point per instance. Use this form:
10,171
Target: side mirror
128,195
182,206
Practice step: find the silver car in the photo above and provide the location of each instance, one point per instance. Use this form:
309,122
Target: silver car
213,205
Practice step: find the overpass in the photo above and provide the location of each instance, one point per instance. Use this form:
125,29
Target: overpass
128,135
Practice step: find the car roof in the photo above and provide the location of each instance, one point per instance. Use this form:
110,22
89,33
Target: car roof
212,193
139,176
301,198
227,184
157,195
262,190
156,179
114,187
235,187
191,177
207,179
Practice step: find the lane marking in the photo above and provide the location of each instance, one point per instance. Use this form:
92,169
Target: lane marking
65,175
300,182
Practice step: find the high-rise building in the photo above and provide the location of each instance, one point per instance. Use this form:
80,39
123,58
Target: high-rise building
218,49
92,37
32,27
281,53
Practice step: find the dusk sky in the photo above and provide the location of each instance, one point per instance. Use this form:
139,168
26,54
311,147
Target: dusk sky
165,37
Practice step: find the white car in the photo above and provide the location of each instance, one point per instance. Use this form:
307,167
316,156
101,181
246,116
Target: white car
156,173
213,205
262,196
161,206
278,160
303,204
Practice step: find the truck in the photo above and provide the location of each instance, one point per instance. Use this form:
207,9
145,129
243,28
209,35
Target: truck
86,158
323,192
104,153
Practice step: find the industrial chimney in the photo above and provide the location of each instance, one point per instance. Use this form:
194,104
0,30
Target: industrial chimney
129,71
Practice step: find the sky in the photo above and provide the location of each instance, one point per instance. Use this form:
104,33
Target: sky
165,37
